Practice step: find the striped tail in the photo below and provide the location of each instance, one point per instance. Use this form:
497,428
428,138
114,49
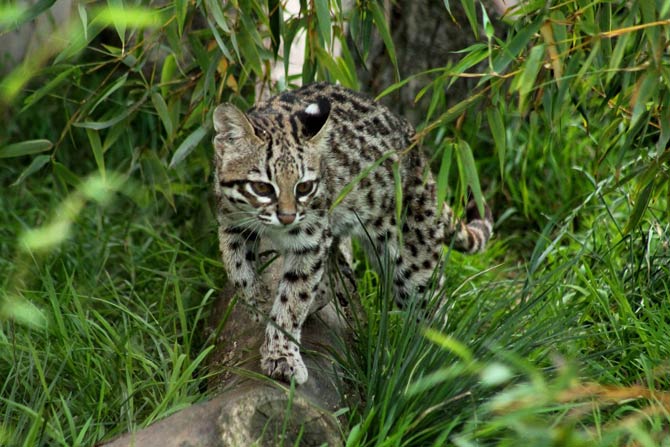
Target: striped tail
471,235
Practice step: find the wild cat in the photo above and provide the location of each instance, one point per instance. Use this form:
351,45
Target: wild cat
278,171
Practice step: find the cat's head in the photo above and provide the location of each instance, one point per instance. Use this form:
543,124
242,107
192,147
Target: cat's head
268,163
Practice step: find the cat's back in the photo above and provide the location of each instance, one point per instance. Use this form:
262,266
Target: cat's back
354,116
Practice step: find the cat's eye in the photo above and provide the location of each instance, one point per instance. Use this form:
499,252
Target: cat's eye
304,188
262,189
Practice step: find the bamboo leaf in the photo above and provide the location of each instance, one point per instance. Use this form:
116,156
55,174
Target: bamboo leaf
251,28
187,146
332,68
249,52
518,43
486,22
119,23
168,73
98,125
348,65
157,175
113,134
526,81
108,91
474,54
641,203
382,27
163,113
96,147
47,88
447,6
219,41
308,69
443,173
11,15
291,29
214,10
323,19
497,128
646,89
471,14
180,10
392,88
34,166
559,30
65,175
648,9
438,97
276,21
617,56
665,125
121,16
83,16
665,9
20,14
25,148
468,170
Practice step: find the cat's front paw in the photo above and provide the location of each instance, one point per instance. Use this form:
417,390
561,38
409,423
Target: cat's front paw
284,366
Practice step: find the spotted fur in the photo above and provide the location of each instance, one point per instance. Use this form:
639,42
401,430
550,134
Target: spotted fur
280,167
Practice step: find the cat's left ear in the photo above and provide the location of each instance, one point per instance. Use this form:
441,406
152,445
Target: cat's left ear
314,120
232,122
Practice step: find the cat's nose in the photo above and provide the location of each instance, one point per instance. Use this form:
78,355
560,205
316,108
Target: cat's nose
286,218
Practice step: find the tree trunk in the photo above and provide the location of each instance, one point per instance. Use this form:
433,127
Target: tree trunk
250,409
425,36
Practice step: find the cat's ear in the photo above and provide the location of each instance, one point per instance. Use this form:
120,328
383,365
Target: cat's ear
314,119
232,123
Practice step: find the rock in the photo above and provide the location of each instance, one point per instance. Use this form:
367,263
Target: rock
249,408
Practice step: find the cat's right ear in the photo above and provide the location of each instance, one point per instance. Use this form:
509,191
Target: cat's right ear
232,123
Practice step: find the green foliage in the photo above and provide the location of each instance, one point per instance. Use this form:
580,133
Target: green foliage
558,335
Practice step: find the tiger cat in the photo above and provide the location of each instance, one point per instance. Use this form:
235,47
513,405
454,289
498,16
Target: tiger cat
279,169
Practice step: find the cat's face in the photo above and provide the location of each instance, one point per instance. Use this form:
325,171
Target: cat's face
268,165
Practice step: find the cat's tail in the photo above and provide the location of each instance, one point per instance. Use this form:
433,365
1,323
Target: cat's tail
469,235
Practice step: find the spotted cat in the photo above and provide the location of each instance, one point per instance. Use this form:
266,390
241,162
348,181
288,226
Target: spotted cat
279,169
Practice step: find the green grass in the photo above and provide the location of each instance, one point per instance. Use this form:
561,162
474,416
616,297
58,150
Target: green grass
101,331
557,335
551,349
114,340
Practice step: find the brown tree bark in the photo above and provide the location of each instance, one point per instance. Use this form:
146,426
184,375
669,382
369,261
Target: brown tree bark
425,36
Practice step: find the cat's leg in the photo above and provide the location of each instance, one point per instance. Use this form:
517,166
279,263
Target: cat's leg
338,280
304,264
424,233
238,254
418,256
416,263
